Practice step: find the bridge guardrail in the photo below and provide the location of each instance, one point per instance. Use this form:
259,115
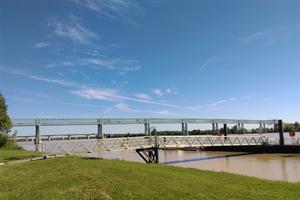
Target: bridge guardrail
132,143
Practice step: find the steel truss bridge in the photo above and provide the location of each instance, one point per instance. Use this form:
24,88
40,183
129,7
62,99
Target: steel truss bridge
147,146
146,121
133,143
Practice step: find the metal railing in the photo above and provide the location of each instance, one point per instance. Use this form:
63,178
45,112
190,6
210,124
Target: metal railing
120,121
132,143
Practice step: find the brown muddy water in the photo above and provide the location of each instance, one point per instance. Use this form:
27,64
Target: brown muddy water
283,167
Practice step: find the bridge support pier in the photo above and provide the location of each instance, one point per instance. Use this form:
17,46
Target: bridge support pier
243,128
280,130
239,128
37,140
147,129
260,128
149,155
184,128
99,132
225,131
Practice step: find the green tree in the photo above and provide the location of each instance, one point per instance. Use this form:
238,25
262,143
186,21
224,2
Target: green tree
5,122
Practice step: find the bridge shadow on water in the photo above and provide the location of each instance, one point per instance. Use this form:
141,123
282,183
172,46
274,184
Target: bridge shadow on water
205,158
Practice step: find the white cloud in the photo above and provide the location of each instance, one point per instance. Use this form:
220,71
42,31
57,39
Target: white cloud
114,95
211,105
125,108
121,66
23,99
41,45
161,92
122,106
73,30
207,62
168,91
56,81
117,9
158,92
38,78
222,101
253,37
100,94
143,96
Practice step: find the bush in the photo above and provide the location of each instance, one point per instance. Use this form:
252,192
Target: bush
7,142
3,140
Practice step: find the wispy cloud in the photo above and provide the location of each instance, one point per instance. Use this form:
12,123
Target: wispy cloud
211,105
207,62
222,101
158,92
143,96
162,92
23,99
41,45
118,9
253,37
51,80
114,95
121,66
100,94
125,108
84,105
39,78
73,30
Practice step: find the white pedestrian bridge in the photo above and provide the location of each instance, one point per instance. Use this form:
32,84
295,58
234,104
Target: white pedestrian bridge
133,143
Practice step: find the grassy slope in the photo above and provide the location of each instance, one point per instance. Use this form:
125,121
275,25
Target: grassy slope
10,155
79,178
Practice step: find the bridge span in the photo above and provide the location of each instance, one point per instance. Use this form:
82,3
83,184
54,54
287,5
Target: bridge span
100,122
146,146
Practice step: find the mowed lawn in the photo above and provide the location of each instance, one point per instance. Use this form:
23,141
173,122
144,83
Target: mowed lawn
83,178
11,155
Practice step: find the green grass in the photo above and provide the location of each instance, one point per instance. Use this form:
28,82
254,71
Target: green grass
83,178
11,155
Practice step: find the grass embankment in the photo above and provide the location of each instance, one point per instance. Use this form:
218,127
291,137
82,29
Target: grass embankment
7,155
83,178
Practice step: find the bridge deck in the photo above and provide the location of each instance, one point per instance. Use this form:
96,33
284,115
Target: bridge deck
133,143
115,121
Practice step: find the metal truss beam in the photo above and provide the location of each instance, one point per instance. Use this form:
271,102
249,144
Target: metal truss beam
124,121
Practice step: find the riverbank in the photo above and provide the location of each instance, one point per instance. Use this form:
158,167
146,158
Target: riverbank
8,155
86,178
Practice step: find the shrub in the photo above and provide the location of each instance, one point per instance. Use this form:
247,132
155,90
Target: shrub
3,140
8,142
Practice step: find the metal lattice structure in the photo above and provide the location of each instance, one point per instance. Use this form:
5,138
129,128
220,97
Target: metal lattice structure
133,143
115,121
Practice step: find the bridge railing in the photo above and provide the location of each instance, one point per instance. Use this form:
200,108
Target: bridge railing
132,143
83,146
202,141
287,141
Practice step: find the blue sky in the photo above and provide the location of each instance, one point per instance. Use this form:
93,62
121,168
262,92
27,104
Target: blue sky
126,58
